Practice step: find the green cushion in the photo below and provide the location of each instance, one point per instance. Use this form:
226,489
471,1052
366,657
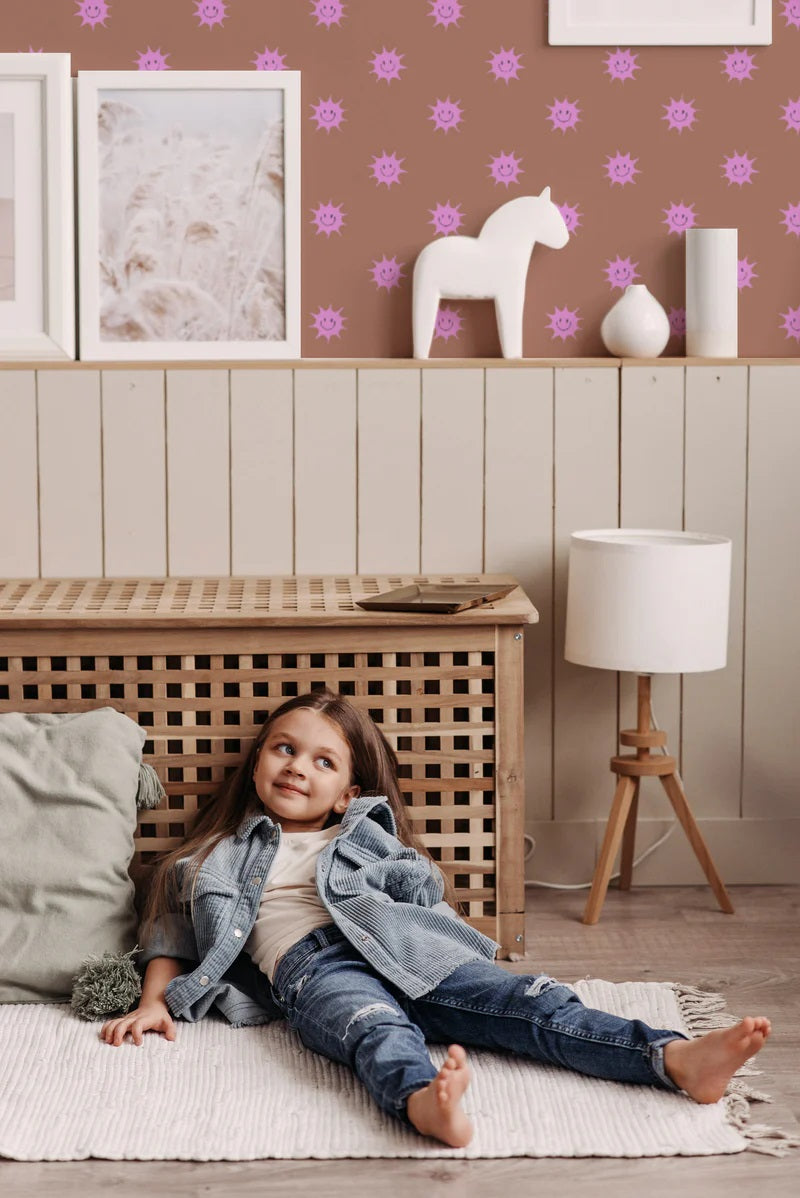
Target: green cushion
67,820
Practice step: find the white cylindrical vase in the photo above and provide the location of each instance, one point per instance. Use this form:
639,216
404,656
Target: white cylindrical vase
712,293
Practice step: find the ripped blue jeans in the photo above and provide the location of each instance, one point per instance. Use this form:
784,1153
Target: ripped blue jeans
343,1010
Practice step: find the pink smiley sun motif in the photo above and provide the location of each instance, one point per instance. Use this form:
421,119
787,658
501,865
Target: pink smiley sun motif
211,12
446,12
387,272
680,217
447,218
791,323
746,272
152,60
506,168
448,323
387,65
621,168
621,64
328,114
92,12
327,12
270,60
387,168
564,114
446,114
328,322
572,216
739,169
621,272
563,323
680,114
791,12
791,218
791,115
739,65
505,64
677,322
328,218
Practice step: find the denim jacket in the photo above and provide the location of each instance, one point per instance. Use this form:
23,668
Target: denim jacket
384,896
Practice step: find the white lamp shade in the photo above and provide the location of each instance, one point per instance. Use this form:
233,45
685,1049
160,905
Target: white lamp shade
648,600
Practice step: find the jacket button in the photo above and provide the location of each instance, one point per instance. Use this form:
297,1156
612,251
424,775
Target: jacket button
256,881
204,980
237,933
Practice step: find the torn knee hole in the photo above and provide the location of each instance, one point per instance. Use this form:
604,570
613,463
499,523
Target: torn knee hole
365,1012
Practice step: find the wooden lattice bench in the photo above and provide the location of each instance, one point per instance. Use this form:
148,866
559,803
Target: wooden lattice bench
199,662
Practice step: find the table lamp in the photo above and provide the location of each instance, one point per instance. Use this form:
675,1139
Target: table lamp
652,602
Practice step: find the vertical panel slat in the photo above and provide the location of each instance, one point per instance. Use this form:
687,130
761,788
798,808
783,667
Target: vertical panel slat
452,470
198,472
651,496
519,541
70,491
134,473
19,500
388,471
586,494
716,487
772,640
262,472
325,471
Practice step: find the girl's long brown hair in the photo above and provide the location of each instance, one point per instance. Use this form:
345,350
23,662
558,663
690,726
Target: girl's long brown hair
374,771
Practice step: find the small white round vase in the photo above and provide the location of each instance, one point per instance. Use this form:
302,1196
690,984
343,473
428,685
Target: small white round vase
637,326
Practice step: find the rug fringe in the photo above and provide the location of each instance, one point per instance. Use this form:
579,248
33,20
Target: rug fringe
703,1011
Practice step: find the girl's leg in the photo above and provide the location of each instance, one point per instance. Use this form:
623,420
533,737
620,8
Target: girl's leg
482,1005
344,1011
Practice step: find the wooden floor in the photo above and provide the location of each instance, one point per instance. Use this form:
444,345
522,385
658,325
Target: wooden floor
664,934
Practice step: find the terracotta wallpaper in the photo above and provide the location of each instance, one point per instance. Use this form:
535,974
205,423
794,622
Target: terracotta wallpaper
420,117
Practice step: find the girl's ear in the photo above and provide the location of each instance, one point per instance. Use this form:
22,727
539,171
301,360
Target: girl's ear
343,802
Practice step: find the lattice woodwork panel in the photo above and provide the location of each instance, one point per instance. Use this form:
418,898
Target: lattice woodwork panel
200,711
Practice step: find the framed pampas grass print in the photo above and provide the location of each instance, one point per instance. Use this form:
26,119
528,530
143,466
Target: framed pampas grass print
189,215
37,240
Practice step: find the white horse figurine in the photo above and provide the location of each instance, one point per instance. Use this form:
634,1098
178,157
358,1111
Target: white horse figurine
492,265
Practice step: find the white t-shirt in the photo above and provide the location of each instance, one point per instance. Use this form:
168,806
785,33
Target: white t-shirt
290,905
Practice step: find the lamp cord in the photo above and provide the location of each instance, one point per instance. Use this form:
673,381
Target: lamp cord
587,885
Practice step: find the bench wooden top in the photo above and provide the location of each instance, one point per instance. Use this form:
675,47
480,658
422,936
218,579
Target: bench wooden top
274,601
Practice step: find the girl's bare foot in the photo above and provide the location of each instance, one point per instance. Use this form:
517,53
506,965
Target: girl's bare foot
435,1110
703,1067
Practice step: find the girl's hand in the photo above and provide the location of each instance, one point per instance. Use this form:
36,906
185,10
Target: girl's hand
154,1017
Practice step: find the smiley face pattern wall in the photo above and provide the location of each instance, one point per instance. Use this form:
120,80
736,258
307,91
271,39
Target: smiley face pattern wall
420,117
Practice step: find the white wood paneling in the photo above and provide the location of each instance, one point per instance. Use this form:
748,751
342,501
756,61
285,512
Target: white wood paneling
716,487
70,486
325,471
772,643
134,473
262,472
388,471
19,486
519,540
586,496
452,470
651,496
198,472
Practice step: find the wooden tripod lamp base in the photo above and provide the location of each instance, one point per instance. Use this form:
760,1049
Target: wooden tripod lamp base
621,827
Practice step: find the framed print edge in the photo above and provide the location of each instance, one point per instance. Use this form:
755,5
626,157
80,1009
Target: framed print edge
563,29
91,346
55,340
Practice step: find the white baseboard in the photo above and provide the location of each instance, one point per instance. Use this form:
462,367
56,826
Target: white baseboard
745,851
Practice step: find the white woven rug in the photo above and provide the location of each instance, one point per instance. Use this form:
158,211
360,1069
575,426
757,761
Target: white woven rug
223,1093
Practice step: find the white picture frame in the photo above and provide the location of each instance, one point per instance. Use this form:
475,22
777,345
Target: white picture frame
660,22
37,234
189,215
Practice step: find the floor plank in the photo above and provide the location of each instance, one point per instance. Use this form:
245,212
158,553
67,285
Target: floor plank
655,934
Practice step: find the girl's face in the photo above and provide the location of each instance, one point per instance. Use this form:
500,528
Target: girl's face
303,771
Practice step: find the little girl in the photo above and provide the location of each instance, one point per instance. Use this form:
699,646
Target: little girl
302,892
